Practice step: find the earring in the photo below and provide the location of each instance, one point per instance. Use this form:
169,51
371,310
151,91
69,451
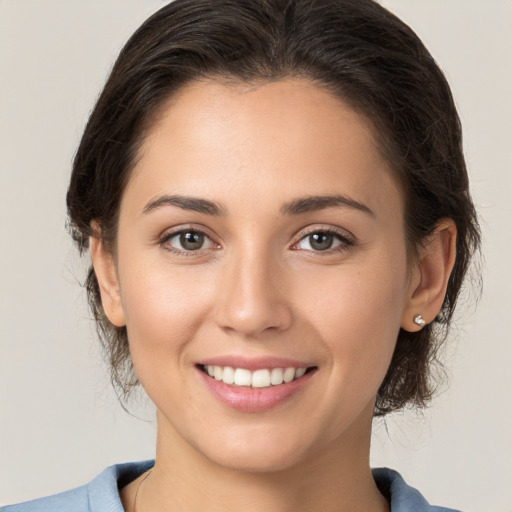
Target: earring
419,320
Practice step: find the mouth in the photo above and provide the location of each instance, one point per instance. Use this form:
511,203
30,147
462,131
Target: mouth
256,379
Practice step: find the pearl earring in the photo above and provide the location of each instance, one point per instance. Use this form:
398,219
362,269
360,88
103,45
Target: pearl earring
419,320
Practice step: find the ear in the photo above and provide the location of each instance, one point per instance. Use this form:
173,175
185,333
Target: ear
105,270
430,277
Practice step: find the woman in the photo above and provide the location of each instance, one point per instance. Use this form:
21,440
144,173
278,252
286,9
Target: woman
277,210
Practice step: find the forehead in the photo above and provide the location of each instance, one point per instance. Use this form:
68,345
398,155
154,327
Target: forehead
277,138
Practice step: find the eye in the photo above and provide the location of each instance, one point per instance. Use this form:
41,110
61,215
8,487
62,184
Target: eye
323,240
187,240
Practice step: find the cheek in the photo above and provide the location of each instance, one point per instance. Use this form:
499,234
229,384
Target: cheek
164,308
356,310
355,296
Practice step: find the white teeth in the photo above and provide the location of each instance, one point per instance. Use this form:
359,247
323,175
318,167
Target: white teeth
276,376
289,374
261,379
217,372
258,379
300,372
229,375
243,377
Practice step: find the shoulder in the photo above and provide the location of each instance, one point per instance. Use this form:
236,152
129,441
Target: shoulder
99,495
77,498
403,498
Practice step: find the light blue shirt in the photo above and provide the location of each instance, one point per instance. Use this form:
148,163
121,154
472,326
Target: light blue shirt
102,493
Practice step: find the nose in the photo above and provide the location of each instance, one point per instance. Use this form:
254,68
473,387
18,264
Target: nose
253,298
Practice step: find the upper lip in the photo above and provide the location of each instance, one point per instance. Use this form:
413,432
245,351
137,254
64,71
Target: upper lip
253,363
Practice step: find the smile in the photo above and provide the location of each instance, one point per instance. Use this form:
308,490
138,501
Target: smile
261,378
269,383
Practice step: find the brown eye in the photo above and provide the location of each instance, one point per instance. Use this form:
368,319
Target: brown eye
191,240
321,241
187,241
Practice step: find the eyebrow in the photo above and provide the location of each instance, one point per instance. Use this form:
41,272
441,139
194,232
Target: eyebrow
314,203
295,207
185,203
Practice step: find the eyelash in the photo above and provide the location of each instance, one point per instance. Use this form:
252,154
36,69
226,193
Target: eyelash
345,240
183,252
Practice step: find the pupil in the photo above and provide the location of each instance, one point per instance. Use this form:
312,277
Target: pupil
321,241
192,241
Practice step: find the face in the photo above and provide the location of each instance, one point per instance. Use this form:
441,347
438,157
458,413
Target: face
261,241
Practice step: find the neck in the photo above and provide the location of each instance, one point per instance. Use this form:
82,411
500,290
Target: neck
336,479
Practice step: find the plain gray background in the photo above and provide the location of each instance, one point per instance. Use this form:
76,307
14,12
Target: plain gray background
60,423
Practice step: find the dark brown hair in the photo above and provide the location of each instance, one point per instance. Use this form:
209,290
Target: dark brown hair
356,49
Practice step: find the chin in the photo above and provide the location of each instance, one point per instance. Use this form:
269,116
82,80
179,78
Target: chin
252,461
247,450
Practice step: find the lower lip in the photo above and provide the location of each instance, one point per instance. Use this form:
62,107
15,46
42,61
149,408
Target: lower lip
254,399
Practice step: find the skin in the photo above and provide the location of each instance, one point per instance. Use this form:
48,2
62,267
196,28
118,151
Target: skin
258,288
